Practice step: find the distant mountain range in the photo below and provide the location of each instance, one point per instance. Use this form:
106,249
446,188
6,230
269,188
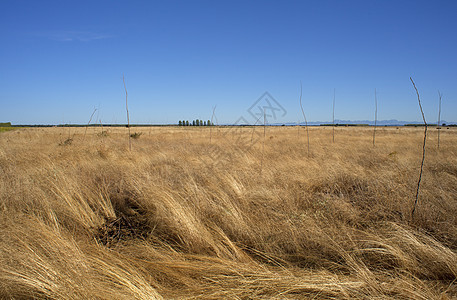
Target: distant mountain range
392,122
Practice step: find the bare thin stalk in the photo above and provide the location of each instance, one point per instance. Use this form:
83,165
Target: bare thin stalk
264,124
88,123
253,129
333,117
304,116
263,143
127,109
423,150
98,113
298,127
375,117
210,125
439,119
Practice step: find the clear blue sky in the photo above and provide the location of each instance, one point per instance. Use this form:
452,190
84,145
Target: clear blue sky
61,59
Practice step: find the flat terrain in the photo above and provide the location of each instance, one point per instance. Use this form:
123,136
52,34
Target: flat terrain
231,213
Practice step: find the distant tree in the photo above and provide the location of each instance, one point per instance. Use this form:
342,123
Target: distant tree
201,123
204,123
180,123
208,123
193,122
187,123
197,122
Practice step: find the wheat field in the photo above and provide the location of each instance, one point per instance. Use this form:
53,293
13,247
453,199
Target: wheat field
234,213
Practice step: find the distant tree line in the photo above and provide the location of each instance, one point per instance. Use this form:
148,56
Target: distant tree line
196,122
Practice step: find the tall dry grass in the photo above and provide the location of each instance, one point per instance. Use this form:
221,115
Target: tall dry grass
178,217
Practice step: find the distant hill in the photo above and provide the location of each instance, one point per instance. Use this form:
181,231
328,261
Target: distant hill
392,122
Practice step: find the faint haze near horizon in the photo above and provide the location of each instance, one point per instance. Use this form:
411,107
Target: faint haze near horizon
60,60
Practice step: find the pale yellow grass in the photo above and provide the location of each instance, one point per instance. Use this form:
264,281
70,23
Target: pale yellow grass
178,217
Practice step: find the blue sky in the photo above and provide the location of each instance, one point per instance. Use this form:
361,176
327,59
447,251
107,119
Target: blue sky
61,59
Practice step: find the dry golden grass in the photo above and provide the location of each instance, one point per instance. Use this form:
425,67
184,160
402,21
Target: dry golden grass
178,217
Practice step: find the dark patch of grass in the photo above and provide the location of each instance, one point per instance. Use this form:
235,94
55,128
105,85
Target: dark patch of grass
67,142
136,135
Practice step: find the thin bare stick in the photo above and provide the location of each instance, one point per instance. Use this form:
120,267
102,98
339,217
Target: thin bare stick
96,117
98,113
253,128
303,112
298,127
423,150
264,124
439,119
85,131
375,117
210,125
127,109
333,116
263,143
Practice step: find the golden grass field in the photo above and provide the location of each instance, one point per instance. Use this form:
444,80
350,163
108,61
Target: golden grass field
240,217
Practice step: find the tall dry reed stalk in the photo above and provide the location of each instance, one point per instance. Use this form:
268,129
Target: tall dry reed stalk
333,116
439,118
211,125
375,117
127,109
304,116
298,129
423,150
254,127
88,123
263,140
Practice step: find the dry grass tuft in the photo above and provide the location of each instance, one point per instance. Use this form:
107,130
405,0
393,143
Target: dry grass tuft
180,218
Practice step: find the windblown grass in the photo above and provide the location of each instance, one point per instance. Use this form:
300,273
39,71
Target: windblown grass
178,217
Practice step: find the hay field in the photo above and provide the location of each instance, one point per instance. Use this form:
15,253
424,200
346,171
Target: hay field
242,217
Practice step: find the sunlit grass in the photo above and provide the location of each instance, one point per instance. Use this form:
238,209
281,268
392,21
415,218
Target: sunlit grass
180,217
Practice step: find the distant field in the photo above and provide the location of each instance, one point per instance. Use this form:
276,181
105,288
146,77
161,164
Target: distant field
234,213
